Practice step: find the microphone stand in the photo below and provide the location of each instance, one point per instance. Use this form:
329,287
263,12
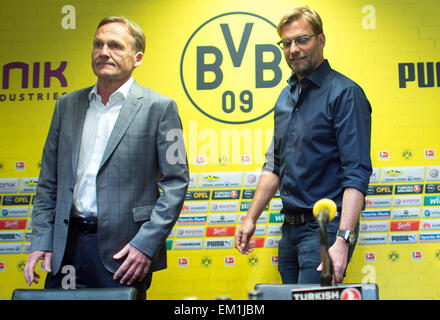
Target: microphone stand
324,211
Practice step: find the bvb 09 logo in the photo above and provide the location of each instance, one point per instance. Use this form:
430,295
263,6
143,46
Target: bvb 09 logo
230,68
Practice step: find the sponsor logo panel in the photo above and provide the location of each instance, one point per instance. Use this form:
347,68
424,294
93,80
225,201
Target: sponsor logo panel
372,238
377,202
375,214
409,189
9,185
405,225
14,212
251,179
431,201
16,200
13,224
374,226
188,244
219,243
182,232
272,242
191,219
431,212
397,238
193,207
427,225
430,237
433,173
380,190
28,185
374,178
221,180
11,236
432,188
10,248
223,206
223,231
407,201
197,195
220,218
226,194
403,174
406,213
261,219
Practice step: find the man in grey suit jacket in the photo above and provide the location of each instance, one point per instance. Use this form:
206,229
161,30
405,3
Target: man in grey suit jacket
109,150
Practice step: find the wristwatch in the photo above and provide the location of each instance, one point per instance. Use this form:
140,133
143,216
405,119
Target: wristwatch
349,236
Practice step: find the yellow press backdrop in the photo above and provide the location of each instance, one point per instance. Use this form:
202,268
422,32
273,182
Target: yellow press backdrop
217,59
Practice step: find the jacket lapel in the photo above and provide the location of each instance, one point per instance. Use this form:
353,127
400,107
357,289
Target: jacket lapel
126,115
82,104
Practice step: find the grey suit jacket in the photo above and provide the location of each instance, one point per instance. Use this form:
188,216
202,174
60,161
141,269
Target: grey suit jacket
135,165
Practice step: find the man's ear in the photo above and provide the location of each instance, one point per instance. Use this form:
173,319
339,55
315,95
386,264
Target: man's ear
138,58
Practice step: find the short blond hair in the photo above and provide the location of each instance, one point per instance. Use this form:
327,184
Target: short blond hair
301,12
133,28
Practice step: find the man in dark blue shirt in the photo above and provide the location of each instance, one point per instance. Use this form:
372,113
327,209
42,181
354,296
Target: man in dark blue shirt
320,149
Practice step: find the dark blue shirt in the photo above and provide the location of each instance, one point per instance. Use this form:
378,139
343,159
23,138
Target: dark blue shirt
321,141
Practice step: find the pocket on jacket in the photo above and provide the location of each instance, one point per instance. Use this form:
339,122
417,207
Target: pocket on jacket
142,213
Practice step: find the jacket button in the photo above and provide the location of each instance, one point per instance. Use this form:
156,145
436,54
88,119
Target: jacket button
66,221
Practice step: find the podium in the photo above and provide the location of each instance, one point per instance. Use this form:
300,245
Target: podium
365,291
123,293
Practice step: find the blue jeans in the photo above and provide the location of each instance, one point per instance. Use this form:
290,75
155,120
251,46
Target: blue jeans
299,251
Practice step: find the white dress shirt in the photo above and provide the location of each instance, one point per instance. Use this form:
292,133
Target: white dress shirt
98,125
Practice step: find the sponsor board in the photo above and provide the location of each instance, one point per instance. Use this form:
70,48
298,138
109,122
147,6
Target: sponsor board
28,185
431,212
402,174
272,242
222,218
221,180
261,219
276,217
431,201
245,205
229,261
223,206
379,190
10,248
375,214
197,195
274,230
188,244
192,219
373,226
433,173
260,230
430,237
408,189
14,212
13,224
182,232
193,207
427,225
248,193
251,179
276,205
16,200
372,238
405,213
219,243
183,262
257,242
397,238
11,236
432,188
405,225
226,194
377,202
407,201
9,185
223,231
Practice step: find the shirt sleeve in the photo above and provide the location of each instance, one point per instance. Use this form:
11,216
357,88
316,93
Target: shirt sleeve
352,122
272,158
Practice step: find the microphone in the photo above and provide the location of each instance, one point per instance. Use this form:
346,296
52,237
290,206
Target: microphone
324,211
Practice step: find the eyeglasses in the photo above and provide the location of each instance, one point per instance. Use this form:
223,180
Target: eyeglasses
299,42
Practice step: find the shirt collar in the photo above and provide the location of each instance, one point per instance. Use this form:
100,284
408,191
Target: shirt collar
123,90
317,76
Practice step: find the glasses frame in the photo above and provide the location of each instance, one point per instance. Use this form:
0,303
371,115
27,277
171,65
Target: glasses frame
289,41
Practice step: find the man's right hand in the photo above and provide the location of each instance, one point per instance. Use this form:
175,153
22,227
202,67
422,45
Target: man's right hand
243,237
29,270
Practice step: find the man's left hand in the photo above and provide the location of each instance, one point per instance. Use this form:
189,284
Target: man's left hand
135,266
